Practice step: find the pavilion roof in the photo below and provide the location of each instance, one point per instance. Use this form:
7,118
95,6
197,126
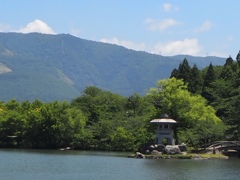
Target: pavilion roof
163,120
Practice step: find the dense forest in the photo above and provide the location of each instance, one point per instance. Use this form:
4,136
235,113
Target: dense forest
220,86
203,102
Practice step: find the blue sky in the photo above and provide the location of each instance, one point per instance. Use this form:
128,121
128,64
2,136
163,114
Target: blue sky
199,28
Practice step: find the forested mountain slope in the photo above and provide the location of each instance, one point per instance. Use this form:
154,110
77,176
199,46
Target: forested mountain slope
60,67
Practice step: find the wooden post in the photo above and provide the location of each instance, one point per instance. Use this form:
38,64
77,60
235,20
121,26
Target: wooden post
214,150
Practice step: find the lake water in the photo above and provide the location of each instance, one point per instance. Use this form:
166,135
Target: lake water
53,164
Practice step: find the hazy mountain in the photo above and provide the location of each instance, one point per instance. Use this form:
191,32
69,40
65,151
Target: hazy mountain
59,67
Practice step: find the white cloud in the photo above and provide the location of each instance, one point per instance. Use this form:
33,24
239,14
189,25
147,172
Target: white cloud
37,26
217,54
207,25
169,7
155,25
75,32
125,43
186,46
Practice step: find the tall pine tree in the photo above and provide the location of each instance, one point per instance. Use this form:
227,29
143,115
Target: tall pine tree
196,81
184,71
208,79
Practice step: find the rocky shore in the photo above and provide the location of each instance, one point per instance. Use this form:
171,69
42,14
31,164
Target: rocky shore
139,155
159,151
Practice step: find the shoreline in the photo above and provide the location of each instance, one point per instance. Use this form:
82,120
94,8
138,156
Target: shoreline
179,156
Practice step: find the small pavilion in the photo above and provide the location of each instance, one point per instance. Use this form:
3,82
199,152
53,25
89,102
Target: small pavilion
164,130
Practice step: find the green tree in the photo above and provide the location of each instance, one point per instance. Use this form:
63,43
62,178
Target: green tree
238,57
42,130
88,103
208,79
72,129
134,105
196,81
229,70
210,76
12,128
105,112
190,76
122,139
13,105
174,73
232,118
184,71
189,110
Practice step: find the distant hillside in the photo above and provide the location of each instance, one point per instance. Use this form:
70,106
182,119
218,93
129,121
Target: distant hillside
59,67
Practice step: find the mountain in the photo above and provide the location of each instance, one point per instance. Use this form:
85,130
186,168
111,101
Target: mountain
60,67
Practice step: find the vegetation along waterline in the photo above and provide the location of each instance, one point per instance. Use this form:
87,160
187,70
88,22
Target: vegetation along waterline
203,102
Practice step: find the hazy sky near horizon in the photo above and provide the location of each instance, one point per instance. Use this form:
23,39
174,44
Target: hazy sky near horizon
199,28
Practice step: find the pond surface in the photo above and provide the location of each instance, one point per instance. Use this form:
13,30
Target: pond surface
54,164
